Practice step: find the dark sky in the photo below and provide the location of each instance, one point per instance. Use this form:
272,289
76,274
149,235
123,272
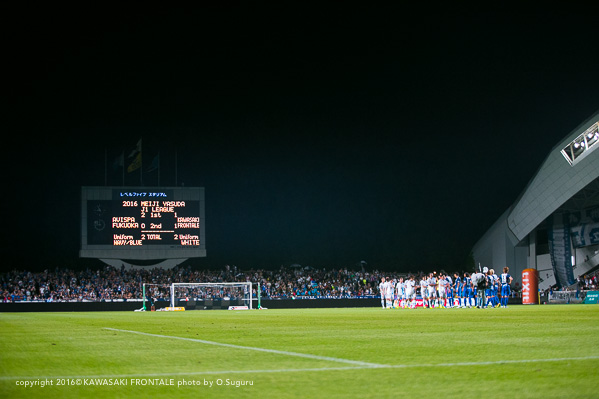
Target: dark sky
324,137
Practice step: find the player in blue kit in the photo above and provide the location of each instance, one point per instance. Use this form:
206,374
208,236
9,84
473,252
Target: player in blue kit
489,289
505,280
466,291
449,290
494,288
457,284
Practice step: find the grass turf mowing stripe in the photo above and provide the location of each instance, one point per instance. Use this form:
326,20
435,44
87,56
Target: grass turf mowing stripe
318,369
253,348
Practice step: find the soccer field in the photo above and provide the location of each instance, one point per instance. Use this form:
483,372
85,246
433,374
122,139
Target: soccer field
518,352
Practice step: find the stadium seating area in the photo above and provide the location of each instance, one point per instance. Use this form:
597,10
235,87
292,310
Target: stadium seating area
589,281
109,283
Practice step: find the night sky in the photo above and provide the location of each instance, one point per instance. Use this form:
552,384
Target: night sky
324,137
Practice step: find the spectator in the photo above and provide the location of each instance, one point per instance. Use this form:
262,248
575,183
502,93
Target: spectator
109,283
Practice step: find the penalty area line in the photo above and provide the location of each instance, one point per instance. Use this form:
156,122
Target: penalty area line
253,348
499,362
185,373
295,370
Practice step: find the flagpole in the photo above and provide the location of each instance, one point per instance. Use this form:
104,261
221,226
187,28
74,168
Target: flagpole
105,166
141,162
136,162
123,167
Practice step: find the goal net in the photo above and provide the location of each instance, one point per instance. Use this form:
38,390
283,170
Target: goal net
155,292
238,294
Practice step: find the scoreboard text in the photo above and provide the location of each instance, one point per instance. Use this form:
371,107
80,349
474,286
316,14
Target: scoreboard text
139,218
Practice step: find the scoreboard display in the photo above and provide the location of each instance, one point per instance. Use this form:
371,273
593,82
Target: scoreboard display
142,223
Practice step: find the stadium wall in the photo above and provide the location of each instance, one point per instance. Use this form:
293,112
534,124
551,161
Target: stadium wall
189,305
499,247
199,305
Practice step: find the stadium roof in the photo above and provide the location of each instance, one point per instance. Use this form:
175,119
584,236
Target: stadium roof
557,181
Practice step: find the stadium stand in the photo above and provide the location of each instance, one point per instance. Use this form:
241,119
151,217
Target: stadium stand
109,283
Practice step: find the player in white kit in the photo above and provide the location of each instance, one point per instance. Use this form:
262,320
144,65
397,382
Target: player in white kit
424,291
411,292
383,291
432,290
401,293
389,293
441,290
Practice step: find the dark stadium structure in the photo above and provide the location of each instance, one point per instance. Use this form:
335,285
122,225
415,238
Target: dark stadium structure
553,226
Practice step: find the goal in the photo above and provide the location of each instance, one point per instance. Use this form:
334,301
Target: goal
155,292
235,293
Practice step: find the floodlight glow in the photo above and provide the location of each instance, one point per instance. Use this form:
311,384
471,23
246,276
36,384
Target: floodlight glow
582,145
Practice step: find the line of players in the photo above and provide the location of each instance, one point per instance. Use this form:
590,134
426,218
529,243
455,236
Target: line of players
442,291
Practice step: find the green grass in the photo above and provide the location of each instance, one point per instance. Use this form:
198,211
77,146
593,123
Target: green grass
446,353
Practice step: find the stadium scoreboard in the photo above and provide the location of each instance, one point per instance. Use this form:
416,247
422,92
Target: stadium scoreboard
142,223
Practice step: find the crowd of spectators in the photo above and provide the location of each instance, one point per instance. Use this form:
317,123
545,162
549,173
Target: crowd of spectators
109,283
588,282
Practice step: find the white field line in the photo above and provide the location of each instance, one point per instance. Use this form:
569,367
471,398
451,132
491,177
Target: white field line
252,348
263,371
358,364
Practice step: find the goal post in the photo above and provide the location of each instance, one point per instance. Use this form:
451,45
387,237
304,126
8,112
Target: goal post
239,292
150,291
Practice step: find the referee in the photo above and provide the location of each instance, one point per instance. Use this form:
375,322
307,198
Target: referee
479,281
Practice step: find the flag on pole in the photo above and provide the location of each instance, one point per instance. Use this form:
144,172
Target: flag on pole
155,164
154,167
136,164
136,149
119,161
136,155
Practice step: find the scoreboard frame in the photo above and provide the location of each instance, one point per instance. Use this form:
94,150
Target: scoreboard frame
116,195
